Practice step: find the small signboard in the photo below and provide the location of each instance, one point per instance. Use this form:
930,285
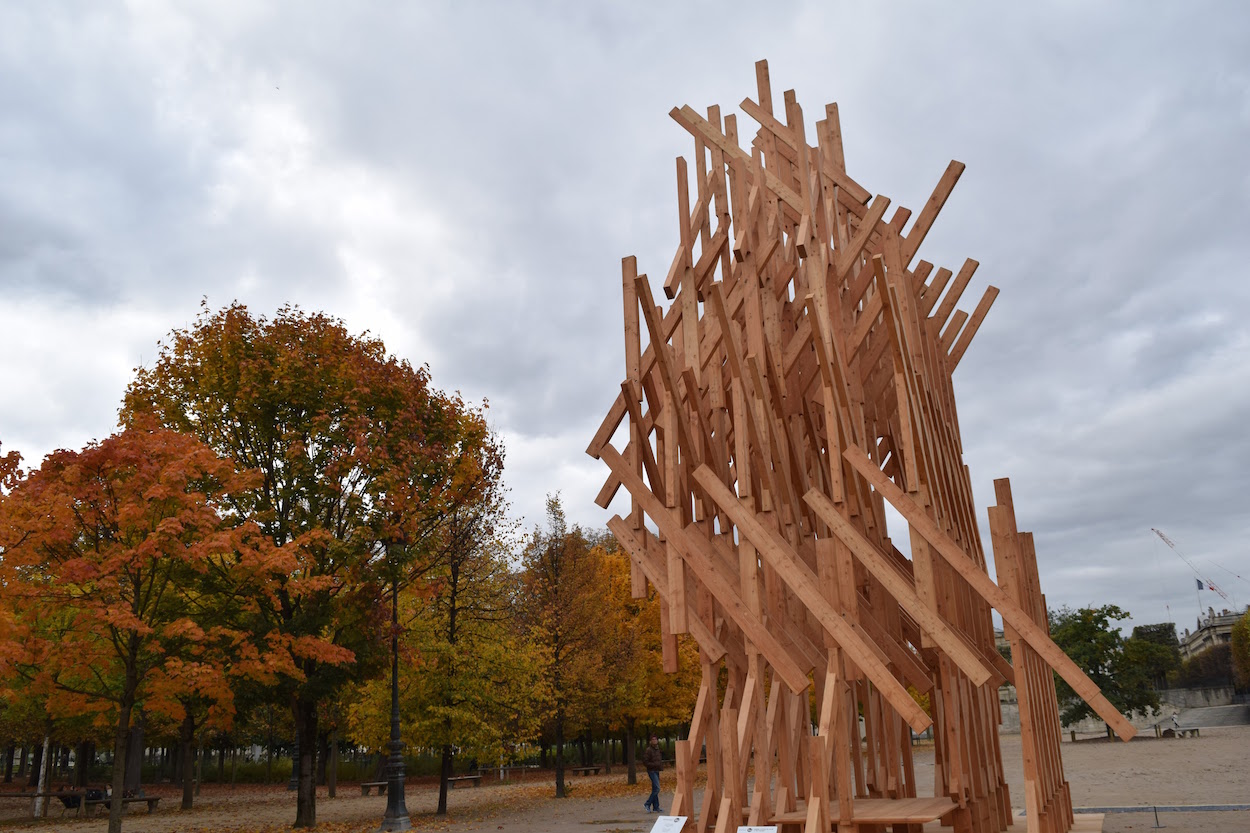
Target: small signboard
669,824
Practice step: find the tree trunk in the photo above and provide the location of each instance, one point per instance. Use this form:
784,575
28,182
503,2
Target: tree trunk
45,778
84,757
324,758
234,764
35,766
221,763
199,763
186,737
444,773
560,791
305,713
133,782
631,759
332,779
542,755
8,764
120,739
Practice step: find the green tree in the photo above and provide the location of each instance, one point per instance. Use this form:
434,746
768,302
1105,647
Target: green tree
359,461
1120,667
475,673
1160,663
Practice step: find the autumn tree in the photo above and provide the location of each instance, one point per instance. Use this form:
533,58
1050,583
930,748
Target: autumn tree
639,690
360,460
475,674
1120,668
1241,651
102,549
1208,668
561,610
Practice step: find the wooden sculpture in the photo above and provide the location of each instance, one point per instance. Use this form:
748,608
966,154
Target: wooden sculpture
798,382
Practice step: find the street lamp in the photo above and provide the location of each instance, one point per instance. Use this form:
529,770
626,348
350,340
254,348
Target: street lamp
396,816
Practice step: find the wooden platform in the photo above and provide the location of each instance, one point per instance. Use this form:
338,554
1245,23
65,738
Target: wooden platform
880,811
1082,823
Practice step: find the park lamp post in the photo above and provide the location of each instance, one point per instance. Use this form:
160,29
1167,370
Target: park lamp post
396,816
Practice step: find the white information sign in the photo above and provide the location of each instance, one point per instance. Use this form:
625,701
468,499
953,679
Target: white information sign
769,829
669,824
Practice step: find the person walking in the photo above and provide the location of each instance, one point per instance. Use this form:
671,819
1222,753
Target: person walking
654,762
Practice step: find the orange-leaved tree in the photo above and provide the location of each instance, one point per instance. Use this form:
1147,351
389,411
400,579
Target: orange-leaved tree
360,462
102,551
639,689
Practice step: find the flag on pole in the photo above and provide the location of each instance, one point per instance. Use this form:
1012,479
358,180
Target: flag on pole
1199,583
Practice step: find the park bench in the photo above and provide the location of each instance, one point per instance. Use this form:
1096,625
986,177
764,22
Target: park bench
91,803
514,770
365,786
587,770
460,779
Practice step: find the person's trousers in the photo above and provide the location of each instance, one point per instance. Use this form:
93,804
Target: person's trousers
654,800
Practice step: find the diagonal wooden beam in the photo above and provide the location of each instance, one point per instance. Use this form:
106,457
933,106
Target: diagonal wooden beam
800,578
1011,612
900,587
699,555
659,577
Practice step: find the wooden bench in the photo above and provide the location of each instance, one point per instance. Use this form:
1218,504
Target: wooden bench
365,786
587,770
460,779
90,804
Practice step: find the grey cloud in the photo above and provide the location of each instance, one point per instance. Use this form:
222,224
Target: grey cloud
463,179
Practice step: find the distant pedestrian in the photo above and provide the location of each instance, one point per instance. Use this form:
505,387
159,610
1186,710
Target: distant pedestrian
654,762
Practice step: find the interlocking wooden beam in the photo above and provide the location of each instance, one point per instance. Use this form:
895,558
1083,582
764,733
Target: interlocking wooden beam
798,383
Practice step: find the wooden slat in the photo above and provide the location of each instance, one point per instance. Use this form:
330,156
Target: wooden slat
800,579
982,584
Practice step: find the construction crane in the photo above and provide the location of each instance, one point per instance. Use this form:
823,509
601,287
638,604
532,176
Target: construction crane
1206,581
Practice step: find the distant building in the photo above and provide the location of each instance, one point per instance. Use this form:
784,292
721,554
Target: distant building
1214,629
1006,691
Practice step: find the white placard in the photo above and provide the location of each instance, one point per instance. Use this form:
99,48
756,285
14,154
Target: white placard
669,824
769,829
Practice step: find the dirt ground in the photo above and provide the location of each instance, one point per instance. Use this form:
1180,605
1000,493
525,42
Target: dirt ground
1144,773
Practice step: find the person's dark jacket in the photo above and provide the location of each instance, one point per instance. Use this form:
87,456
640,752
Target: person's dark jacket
652,759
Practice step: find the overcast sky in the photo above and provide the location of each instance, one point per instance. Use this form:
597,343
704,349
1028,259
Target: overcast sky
462,180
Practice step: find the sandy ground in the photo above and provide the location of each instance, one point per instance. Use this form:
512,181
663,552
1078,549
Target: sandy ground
1145,773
